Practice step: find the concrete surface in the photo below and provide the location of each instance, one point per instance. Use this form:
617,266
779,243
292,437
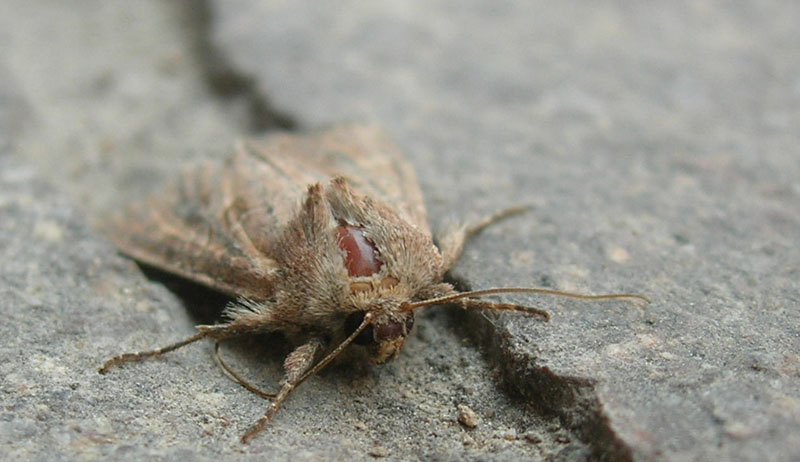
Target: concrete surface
658,145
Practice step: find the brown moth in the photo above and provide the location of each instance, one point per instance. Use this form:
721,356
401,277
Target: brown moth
323,237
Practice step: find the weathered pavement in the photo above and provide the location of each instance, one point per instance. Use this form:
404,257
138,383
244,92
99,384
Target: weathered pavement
658,146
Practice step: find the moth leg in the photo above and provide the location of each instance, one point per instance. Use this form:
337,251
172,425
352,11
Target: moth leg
141,355
451,242
218,332
241,381
300,361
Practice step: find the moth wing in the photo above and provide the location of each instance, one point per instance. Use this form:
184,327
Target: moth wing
210,227
361,154
216,225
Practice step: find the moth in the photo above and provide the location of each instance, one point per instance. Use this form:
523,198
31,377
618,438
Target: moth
321,236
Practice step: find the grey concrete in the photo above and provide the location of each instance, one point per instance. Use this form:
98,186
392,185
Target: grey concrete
657,144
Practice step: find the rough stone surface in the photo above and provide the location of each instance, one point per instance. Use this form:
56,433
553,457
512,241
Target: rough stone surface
658,145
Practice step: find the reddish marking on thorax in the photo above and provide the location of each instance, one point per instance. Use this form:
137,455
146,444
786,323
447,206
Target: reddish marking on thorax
362,256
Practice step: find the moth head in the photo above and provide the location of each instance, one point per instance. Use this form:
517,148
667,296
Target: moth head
388,327
384,335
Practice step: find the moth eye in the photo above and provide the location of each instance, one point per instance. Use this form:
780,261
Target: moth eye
362,256
389,331
352,322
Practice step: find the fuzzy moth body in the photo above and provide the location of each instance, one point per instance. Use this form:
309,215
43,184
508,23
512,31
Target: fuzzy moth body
322,237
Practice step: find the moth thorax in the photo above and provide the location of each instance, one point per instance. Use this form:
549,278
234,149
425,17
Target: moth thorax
362,257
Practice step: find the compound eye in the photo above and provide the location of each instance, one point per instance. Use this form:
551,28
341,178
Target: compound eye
365,337
389,331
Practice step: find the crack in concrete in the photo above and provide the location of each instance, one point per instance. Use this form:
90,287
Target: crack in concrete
571,401
226,81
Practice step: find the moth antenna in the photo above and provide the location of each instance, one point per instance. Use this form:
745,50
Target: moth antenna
141,355
516,290
486,305
237,377
279,399
333,354
502,215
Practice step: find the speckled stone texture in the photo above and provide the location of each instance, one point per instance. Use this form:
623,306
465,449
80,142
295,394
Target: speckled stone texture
658,145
